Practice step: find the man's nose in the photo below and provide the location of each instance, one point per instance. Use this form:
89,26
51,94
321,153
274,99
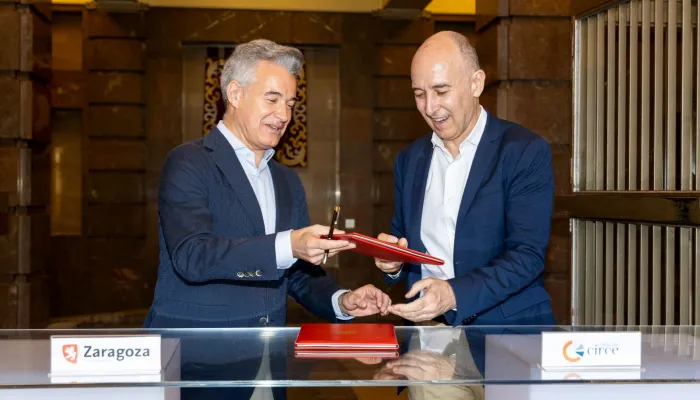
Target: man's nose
283,113
432,105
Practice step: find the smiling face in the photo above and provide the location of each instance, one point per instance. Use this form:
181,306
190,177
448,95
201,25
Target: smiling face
446,88
263,108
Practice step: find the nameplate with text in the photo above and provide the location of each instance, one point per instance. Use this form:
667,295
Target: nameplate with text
105,355
591,350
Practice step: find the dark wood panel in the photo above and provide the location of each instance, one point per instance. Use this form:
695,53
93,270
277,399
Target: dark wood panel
404,32
395,59
384,154
67,42
383,188
68,89
67,261
9,37
581,8
316,28
550,59
115,54
218,25
115,252
357,63
113,154
35,51
382,219
399,124
559,288
116,25
394,93
25,245
561,163
540,8
113,121
491,47
672,208
115,87
115,220
536,115
25,176
24,109
115,187
24,303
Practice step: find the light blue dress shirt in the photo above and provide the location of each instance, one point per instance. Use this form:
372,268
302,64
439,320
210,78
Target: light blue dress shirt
260,179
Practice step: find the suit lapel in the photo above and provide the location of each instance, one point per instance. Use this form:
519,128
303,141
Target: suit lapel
422,167
225,158
483,160
283,203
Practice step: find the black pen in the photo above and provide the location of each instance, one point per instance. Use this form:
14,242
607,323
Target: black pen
334,220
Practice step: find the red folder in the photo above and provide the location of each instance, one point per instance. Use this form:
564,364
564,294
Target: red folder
387,251
365,338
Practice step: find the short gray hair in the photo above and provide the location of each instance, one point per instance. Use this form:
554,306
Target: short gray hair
466,50
241,65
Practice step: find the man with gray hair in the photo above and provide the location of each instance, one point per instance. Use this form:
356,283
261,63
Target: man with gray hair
234,227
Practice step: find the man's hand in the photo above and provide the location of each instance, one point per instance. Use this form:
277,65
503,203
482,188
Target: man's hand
421,365
308,245
390,267
364,301
437,299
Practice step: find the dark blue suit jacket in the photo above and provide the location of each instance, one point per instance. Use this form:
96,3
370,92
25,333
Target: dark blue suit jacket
502,228
217,265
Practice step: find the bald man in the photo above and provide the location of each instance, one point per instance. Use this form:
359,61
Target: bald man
476,192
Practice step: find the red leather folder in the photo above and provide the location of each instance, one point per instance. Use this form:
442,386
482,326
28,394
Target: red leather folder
347,337
387,251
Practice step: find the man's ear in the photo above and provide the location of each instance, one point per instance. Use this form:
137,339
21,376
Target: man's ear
477,82
234,92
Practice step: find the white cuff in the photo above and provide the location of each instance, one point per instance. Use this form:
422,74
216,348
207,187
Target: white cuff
336,307
283,250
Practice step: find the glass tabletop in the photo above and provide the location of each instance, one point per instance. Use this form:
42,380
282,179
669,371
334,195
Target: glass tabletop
251,357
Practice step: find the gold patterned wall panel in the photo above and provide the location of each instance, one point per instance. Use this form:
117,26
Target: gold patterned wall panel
292,149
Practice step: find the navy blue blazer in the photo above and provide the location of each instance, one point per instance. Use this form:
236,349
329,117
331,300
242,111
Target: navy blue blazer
217,265
502,227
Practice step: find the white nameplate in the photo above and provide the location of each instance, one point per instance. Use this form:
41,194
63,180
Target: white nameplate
591,350
105,355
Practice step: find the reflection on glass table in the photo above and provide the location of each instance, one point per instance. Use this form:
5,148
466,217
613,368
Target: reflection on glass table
490,362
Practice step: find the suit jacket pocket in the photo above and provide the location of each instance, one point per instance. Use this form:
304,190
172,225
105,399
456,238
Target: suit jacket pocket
524,300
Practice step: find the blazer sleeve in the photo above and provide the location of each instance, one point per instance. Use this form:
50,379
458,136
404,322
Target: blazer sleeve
397,224
198,255
309,284
528,208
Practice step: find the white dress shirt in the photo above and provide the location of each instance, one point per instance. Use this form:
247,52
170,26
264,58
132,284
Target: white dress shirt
260,179
447,179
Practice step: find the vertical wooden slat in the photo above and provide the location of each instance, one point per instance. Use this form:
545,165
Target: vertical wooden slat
590,105
686,178
634,60
622,101
644,167
633,164
591,153
610,134
580,106
671,166
600,164
609,271
580,260
696,303
656,296
610,168
632,276
645,83
620,266
590,272
621,158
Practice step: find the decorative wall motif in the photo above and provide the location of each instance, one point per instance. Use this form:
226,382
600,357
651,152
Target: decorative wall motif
292,148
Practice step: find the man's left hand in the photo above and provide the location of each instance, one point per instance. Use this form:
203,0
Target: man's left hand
364,301
437,299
